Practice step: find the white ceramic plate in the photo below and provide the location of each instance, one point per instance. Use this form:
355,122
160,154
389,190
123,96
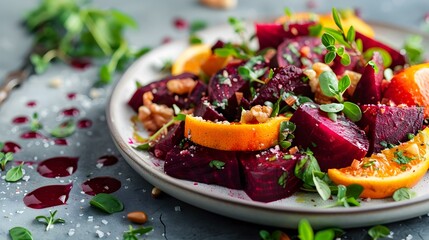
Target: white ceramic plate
233,203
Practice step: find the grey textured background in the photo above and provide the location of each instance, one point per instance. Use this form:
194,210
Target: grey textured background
181,220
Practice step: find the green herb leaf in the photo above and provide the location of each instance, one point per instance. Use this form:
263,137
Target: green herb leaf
4,159
352,111
143,147
35,122
197,25
65,129
20,233
194,39
50,220
329,57
328,39
332,107
283,179
386,144
328,83
305,167
15,174
385,55
305,231
403,194
345,59
287,11
40,65
378,231
344,83
315,30
217,164
107,203
237,25
180,117
337,18
327,234
414,49
351,34
400,158
133,234
322,188
354,190
374,66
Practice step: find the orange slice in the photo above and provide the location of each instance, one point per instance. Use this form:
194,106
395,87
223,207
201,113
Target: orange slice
233,136
214,63
191,59
383,173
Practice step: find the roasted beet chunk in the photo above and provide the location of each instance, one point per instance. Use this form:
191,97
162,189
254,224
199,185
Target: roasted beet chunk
286,79
269,174
169,140
205,165
301,52
334,144
205,110
389,125
368,90
272,34
161,95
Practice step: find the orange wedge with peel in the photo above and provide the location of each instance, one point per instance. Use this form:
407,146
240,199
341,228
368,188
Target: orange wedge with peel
191,59
383,173
233,136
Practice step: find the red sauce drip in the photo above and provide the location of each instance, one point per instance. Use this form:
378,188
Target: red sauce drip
31,104
180,23
31,135
71,96
60,142
48,196
70,112
107,160
20,120
98,185
11,147
80,63
28,163
166,40
58,167
84,123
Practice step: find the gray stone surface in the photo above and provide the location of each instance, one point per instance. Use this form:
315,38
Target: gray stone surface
179,220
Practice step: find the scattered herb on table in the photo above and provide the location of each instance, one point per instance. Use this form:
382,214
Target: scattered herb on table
15,174
50,220
275,235
305,232
133,234
4,159
107,203
20,233
403,194
35,122
68,30
65,129
378,231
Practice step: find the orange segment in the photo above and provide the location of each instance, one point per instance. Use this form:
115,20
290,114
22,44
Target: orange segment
214,63
233,136
191,59
410,87
383,173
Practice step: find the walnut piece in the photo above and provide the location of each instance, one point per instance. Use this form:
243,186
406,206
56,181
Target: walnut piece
220,4
313,77
181,86
152,115
257,114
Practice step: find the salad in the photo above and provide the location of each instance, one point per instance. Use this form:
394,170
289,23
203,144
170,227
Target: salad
319,106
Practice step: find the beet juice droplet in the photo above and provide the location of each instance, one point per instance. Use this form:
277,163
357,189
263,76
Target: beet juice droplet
31,104
31,135
70,112
71,96
107,160
58,167
20,120
11,147
84,123
48,196
60,142
79,63
98,185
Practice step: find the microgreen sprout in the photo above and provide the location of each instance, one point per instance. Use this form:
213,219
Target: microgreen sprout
50,220
4,159
133,234
15,174
378,232
35,122
403,194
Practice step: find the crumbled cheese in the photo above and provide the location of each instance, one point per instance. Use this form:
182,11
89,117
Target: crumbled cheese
99,233
71,232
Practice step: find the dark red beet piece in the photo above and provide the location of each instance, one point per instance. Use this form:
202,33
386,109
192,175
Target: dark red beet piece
334,144
338,68
301,52
286,79
207,111
168,141
160,93
272,34
193,163
397,58
368,90
268,176
390,124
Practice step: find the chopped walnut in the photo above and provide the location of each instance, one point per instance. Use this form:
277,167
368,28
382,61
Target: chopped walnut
181,86
257,114
354,80
152,115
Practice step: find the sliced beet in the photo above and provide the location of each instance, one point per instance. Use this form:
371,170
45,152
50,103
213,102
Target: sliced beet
286,79
368,90
338,68
205,110
268,176
389,124
397,58
169,140
300,51
272,34
334,144
161,94
197,163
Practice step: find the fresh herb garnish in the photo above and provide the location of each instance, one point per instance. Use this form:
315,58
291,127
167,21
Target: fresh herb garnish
194,27
65,129
283,179
275,235
50,220
286,134
67,30
332,87
403,194
386,144
378,231
133,234
414,49
217,164
346,196
107,203
4,159
166,66
15,174
410,136
400,158
248,73
35,122
305,232
20,233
